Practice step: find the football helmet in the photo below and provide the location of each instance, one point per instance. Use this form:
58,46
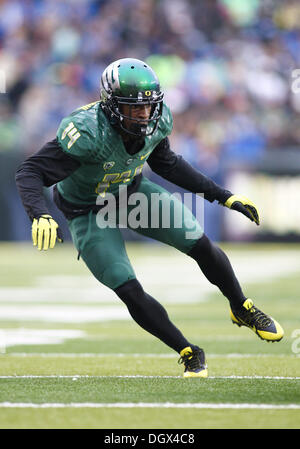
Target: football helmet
131,82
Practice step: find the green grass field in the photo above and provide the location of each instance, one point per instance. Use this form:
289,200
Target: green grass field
72,358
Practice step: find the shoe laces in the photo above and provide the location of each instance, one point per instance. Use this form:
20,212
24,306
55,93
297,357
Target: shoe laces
192,360
256,316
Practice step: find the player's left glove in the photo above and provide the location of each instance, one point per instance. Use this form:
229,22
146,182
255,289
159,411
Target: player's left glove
243,205
45,231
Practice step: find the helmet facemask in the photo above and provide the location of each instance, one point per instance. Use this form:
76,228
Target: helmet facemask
140,127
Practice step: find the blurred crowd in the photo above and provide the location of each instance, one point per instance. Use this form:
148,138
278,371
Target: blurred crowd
226,67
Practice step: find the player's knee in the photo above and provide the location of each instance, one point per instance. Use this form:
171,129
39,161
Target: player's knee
130,291
117,274
202,247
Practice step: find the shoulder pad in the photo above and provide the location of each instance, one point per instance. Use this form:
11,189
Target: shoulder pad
78,133
166,121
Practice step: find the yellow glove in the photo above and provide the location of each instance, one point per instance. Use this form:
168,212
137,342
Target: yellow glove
243,205
45,231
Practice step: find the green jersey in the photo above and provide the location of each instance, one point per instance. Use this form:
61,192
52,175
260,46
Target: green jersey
87,136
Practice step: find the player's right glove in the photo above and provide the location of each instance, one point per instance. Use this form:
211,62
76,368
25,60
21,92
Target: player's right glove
45,231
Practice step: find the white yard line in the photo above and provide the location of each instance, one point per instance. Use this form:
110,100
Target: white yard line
199,405
146,355
62,313
78,376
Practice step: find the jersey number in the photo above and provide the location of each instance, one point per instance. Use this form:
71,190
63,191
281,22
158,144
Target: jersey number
72,133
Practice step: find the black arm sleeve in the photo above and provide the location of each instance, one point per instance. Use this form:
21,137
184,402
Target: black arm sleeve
44,168
175,169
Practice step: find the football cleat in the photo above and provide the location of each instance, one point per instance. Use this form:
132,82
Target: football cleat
194,362
260,323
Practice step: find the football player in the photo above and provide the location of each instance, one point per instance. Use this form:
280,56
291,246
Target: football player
104,145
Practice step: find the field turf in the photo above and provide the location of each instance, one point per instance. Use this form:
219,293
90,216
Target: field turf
72,358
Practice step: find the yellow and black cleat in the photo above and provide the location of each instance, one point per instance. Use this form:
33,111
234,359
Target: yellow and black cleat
263,325
194,362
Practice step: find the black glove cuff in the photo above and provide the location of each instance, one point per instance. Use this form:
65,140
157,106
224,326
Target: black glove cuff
223,196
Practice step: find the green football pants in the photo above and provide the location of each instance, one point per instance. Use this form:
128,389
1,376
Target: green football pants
156,214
